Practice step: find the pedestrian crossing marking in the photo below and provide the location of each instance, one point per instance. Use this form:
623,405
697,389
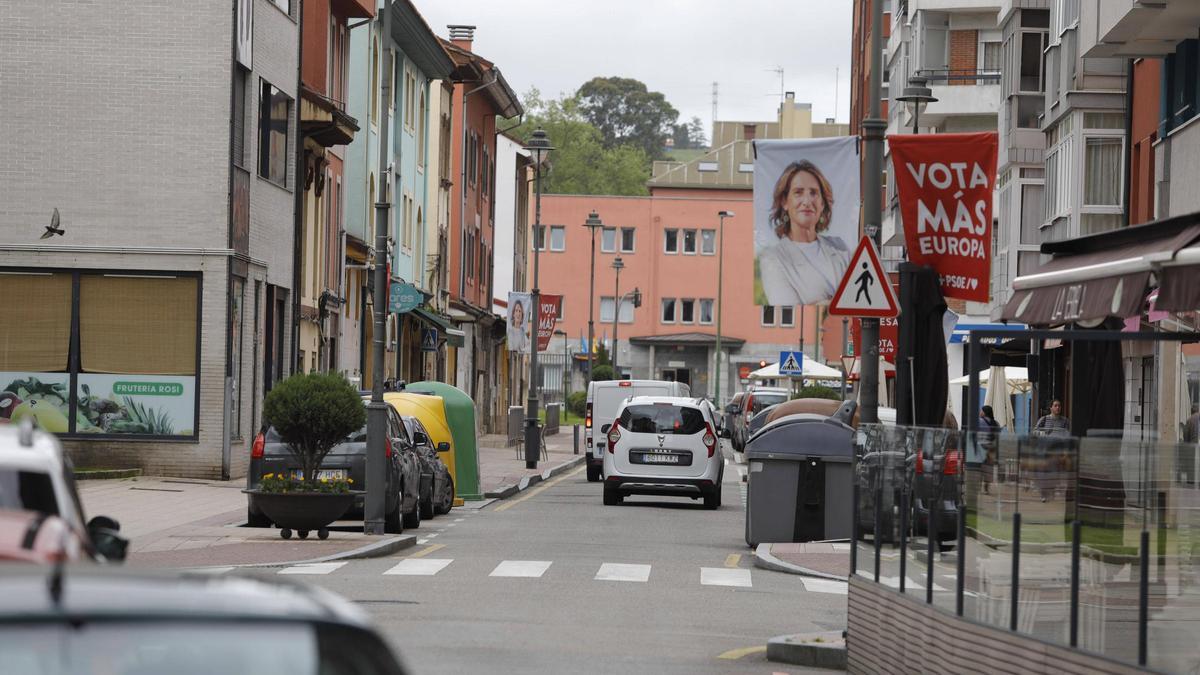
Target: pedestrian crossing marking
531,569
825,586
623,572
420,567
313,568
725,576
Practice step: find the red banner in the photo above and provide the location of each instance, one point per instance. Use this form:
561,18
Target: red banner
889,336
549,307
945,184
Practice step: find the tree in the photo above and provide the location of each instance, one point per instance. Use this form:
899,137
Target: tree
627,113
696,137
819,391
602,373
312,414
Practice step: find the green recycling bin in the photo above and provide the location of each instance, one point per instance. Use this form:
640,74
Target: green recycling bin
460,413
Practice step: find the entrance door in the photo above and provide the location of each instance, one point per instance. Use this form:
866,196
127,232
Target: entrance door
683,375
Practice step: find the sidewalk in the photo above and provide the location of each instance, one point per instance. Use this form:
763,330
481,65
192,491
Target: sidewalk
814,559
501,469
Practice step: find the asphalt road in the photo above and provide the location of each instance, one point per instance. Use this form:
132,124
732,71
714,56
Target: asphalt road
605,589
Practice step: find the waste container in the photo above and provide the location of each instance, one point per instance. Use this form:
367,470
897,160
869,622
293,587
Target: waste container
460,414
431,410
800,480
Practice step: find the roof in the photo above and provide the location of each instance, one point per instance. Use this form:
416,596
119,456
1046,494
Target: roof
473,68
413,35
695,338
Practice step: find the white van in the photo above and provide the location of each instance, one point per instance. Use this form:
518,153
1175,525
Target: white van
604,400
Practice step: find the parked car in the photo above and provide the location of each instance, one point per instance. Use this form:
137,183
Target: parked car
439,496
36,476
663,445
929,468
431,411
727,417
92,620
269,454
604,401
755,400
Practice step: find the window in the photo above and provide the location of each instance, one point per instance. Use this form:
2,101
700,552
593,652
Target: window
748,132
606,309
787,316
485,168
707,167
689,241
239,116
671,241
558,238
406,207
706,311
708,242
1033,62
424,131
668,310
1180,100
687,311
472,160
663,419
1031,213
285,5
274,111
746,167
989,53
628,235
1102,171
608,240
768,315
375,81
410,100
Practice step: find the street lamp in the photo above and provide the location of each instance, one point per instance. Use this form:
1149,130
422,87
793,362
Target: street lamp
916,96
720,282
539,147
592,223
618,265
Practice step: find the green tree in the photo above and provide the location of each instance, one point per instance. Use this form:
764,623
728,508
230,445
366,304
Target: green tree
313,413
819,391
602,373
689,135
627,113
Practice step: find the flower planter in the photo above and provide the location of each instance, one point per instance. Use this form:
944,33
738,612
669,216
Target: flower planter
303,511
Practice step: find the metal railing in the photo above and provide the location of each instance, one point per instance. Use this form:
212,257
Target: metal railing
961,75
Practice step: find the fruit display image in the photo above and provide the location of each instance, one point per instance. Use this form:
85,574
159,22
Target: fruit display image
45,398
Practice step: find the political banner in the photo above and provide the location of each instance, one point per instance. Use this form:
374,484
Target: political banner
945,184
519,320
806,206
889,336
549,309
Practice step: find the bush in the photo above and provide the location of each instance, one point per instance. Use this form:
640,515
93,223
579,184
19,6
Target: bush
313,413
602,373
819,391
577,403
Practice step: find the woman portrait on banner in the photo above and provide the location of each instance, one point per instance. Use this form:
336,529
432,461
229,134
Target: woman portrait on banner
518,326
805,264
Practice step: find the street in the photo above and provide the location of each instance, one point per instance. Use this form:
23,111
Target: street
552,581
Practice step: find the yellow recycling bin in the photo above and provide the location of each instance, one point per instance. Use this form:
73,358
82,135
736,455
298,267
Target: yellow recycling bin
432,412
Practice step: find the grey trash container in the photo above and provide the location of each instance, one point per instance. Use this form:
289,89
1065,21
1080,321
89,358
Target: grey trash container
800,480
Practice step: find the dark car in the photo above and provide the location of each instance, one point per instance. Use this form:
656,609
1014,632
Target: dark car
755,400
928,468
437,486
92,620
347,460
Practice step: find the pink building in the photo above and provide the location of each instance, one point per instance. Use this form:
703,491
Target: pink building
669,243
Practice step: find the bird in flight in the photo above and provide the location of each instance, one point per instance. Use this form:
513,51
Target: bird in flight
53,228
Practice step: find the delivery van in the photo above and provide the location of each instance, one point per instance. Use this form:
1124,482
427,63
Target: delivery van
604,400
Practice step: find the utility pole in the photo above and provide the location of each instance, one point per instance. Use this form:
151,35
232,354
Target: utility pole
539,147
720,286
618,265
376,499
872,131
593,223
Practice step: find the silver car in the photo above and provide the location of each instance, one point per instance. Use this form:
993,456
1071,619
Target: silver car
663,445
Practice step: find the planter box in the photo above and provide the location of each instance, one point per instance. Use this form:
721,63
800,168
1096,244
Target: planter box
303,511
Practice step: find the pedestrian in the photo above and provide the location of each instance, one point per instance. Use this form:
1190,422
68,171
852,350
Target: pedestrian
1055,426
1055,423
1191,429
989,440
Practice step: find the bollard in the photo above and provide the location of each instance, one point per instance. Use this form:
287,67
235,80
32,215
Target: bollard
575,443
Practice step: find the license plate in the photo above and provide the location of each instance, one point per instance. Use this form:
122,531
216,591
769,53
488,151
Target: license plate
328,474
656,458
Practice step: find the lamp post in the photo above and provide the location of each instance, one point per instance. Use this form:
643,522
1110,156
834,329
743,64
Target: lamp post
720,284
593,224
539,147
618,265
917,95
873,129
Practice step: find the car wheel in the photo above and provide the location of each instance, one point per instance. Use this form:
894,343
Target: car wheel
412,519
611,496
427,510
447,501
593,473
712,500
257,519
392,522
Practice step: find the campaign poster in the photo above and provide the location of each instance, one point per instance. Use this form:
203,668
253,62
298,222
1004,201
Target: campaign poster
549,309
945,184
806,209
519,319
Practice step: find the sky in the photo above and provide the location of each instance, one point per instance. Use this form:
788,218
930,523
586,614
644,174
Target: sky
677,47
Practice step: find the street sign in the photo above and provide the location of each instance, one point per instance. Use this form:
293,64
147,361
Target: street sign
865,290
403,297
429,339
791,363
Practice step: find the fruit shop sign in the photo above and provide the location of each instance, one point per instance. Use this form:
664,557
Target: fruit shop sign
945,184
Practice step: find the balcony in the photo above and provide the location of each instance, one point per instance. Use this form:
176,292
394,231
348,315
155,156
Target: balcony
959,93
1144,29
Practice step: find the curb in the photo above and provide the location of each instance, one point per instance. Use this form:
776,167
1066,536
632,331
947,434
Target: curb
376,549
764,559
816,650
529,481
106,474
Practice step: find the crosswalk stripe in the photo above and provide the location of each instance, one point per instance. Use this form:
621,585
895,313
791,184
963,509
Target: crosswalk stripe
825,586
313,568
423,567
532,569
725,576
623,572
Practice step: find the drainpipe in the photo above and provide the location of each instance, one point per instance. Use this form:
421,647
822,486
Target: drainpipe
298,193
1129,94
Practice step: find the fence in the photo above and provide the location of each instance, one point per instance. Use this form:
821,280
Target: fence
1091,543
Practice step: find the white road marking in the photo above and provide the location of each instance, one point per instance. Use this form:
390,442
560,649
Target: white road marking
449,524
313,568
725,576
825,586
459,520
211,570
431,536
422,567
623,572
532,569
422,542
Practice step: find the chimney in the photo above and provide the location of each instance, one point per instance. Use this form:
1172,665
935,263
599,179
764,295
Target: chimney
830,120
791,95
461,35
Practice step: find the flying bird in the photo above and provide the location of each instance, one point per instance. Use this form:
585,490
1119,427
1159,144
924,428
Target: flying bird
53,228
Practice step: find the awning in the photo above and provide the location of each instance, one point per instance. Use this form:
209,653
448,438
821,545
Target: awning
454,337
1105,275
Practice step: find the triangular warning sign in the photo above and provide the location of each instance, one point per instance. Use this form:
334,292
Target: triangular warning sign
790,365
864,290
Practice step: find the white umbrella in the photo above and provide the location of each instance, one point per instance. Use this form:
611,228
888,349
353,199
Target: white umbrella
812,371
998,398
1017,378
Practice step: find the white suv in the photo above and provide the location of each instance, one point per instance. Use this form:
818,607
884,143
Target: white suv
663,445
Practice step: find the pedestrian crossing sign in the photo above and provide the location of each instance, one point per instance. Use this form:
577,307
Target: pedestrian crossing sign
864,290
429,339
791,363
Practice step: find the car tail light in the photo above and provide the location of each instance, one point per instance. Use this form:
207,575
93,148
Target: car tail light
919,465
710,439
256,450
614,435
951,463
749,405
626,383
587,420
387,448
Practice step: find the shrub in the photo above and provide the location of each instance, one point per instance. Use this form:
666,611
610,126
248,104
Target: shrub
313,413
602,373
577,403
819,391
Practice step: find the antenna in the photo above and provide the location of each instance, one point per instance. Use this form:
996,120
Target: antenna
779,70
714,113
837,81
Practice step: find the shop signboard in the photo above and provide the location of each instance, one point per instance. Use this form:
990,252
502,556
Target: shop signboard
153,405
44,397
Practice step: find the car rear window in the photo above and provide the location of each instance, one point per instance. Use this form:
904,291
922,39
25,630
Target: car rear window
662,419
27,491
763,401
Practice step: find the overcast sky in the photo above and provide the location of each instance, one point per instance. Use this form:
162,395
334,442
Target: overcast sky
677,47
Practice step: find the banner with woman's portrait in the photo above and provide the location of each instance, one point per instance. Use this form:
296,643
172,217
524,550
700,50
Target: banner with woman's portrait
520,318
806,206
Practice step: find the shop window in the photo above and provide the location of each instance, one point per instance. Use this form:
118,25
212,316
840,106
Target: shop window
35,335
